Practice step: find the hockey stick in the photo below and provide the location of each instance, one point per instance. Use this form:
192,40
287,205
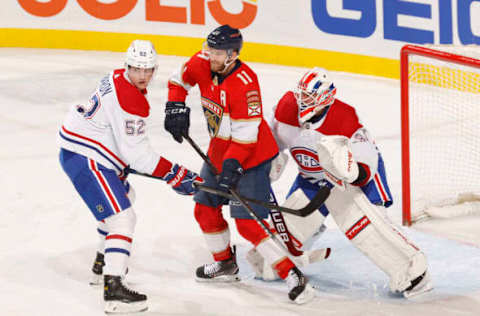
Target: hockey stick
308,209
281,227
302,258
314,204
234,193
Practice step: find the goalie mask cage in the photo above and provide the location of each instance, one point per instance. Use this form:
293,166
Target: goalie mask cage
440,121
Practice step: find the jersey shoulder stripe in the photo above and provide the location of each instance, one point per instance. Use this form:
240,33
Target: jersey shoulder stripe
287,110
341,119
131,99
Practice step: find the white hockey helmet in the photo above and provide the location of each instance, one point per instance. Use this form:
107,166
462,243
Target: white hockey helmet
314,92
141,54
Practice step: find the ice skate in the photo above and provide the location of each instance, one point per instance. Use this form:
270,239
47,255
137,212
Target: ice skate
219,271
97,269
120,299
299,290
420,285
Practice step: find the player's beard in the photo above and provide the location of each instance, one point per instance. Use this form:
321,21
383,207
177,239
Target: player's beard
217,66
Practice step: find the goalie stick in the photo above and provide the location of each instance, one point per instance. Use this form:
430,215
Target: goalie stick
308,209
314,204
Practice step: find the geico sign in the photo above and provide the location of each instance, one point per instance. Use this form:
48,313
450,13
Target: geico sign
365,26
154,10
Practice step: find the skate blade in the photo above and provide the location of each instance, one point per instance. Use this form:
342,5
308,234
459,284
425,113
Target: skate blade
117,307
418,292
96,280
306,296
423,287
220,279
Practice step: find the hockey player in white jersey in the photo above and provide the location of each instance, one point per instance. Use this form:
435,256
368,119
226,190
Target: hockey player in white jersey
99,142
332,148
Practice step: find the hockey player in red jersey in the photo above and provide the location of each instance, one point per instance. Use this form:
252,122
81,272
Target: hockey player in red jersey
332,148
241,148
98,142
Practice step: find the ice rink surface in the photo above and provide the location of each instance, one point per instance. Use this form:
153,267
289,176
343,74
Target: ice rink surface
48,237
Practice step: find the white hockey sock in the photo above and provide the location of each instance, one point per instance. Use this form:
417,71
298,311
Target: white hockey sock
102,233
218,244
118,242
273,255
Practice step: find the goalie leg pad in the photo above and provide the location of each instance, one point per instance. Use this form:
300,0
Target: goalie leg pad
301,228
367,227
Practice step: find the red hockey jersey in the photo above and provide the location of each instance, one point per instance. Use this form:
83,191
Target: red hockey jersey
232,106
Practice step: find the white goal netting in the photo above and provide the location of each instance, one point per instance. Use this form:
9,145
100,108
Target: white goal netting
444,133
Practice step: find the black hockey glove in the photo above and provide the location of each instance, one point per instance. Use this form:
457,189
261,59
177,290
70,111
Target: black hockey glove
177,119
231,173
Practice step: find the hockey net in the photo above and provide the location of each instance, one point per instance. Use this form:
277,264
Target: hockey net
440,92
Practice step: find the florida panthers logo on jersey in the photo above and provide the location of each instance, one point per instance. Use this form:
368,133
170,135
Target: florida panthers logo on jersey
213,113
306,159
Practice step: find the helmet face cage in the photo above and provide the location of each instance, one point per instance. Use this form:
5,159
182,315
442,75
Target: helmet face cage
141,54
314,92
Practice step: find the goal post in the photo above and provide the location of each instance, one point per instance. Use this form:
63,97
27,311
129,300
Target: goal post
440,131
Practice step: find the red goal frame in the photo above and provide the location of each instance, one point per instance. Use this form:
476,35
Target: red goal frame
405,52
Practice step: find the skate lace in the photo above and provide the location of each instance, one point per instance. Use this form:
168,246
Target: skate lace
129,291
211,268
292,280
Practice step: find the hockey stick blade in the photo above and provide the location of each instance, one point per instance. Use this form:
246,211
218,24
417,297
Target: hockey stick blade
308,209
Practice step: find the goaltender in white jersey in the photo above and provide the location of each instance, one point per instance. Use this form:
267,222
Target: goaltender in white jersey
332,148
99,142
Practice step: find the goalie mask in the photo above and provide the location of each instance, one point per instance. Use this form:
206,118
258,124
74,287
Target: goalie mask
141,54
314,92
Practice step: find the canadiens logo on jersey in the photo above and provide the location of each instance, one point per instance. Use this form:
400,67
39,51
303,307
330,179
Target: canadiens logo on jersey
213,113
306,159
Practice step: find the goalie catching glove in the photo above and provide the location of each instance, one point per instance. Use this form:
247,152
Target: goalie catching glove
335,156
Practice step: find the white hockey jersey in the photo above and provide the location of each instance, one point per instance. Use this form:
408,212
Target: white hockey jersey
112,128
341,119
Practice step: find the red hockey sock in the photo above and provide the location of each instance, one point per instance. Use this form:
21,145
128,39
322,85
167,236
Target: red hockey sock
283,267
251,230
